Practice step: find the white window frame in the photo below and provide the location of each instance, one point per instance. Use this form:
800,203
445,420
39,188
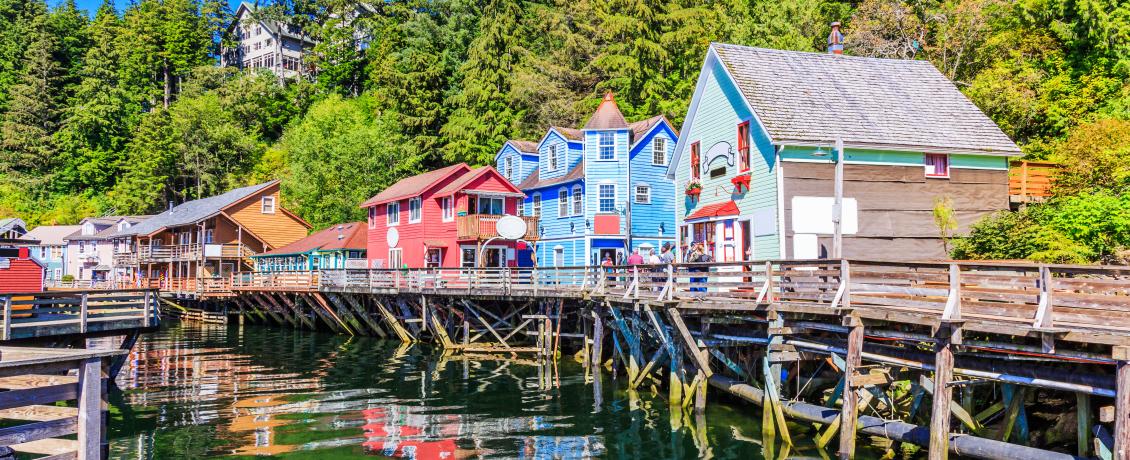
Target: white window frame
209,235
416,214
372,217
578,198
601,137
558,257
554,162
659,151
510,168
392,213
646,194
399,252
536,204
600,198
267,205
562,202
447,208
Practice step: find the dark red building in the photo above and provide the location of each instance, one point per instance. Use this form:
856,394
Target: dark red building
19,272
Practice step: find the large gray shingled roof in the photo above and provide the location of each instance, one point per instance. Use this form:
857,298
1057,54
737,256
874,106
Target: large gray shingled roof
194,211
804,97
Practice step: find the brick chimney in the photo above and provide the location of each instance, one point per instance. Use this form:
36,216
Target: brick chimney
836,39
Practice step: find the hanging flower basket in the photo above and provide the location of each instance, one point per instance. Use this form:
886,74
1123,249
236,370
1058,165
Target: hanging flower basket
694,188
741,181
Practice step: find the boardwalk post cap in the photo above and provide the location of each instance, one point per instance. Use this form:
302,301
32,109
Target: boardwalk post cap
511,227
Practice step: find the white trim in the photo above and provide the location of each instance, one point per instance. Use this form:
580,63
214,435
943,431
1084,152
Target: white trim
615,197
780,209
564,202
899,148
263,204
666,160
573,199
615,154
447,209
400,252
636,194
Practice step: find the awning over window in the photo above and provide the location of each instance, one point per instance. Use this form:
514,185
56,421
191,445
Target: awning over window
728,208
435,243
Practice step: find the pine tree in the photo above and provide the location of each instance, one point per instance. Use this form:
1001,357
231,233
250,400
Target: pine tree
149,178
484,116
101,115
25,136
186,44
69,26
142,57
16,17
631,54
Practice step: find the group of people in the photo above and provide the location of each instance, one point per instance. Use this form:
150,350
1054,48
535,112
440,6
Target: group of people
696,253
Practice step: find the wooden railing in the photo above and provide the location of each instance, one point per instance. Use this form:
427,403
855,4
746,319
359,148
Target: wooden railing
482,227
34,388
305,280
126,258
39,314
1031,180
174,253
1032,296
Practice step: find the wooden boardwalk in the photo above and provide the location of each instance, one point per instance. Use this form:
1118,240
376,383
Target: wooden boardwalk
60,313
850,345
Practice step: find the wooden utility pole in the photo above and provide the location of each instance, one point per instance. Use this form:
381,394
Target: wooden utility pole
838,203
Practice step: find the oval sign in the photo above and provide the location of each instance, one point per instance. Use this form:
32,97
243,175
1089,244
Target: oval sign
392,237
511,227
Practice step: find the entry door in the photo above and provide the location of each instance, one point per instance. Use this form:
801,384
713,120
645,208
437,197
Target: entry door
494,257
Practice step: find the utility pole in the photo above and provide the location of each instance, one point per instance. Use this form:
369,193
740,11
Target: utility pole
838,203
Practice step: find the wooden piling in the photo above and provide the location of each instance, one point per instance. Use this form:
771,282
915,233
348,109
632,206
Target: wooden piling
1121,355
943,392
849,413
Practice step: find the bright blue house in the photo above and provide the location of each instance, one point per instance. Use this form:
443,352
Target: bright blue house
597,191
50,248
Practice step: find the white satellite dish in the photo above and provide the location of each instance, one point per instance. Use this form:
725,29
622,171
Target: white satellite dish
392,237
510,227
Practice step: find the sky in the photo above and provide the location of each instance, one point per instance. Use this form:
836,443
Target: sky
91,6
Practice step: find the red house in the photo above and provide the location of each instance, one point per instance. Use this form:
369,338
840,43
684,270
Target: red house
19,272
446,218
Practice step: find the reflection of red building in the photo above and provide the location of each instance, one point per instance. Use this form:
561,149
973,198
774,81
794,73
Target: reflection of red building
393,433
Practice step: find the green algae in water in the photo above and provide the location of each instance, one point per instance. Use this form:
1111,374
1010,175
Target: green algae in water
208,391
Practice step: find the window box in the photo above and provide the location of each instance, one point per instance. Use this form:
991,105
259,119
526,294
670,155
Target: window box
740,181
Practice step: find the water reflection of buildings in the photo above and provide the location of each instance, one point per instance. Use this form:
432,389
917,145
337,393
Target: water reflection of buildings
401,432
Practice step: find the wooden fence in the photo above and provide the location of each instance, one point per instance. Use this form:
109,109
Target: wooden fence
1031,180
52,313
34,424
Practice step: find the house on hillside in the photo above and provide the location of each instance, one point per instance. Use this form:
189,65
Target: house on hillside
50,248
340,246
19,271
445,218
266,44
211,237
755,165
90,250
597,191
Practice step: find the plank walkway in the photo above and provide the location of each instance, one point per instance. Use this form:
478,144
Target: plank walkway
64,313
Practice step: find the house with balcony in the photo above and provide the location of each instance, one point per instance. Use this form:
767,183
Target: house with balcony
210,238
91,249
337,247
600,190
446,218
767,130
47,244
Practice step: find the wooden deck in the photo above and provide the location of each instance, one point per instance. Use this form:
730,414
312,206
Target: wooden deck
1031,180
57,313
34,380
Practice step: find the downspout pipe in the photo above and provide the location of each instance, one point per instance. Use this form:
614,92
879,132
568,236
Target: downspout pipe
961,444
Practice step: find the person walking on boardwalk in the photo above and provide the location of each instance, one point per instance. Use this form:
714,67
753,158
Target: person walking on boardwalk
699,256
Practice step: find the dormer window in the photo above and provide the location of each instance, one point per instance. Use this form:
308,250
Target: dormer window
553,157
607,146
267,205
510,168
88,228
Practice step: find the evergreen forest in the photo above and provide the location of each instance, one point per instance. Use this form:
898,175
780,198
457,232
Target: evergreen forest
126,111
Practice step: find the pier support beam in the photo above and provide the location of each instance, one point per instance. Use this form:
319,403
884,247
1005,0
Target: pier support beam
948,334
1121,355
849,415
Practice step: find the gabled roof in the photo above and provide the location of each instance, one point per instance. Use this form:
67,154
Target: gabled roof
105,226
349,236
415,185
10,223
191,212
51,235
642,127
533,181
526,147
607,115
462,182
804,98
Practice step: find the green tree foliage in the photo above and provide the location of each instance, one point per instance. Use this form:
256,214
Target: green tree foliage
339,156
26,148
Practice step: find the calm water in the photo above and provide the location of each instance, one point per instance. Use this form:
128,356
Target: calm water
198,391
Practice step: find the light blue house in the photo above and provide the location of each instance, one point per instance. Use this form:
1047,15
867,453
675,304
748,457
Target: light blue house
50,248
756,164
599,191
